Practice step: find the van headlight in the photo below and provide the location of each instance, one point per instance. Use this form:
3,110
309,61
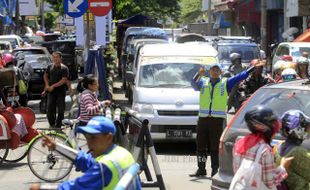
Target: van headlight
143,108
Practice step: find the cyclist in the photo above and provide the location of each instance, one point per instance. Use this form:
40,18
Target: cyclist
105,164
89,104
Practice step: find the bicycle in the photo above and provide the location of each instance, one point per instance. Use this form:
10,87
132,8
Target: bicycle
48,165
51,166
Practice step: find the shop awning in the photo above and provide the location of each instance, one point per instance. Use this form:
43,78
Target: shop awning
304,37
225,6
298,8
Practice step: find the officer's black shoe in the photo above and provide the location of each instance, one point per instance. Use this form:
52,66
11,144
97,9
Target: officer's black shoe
214,172
199,172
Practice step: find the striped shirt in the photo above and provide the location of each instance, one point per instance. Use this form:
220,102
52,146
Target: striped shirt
271,175
89,105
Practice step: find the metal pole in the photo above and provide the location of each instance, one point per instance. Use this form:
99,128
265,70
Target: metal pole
209,18
263,33
87,30
42,17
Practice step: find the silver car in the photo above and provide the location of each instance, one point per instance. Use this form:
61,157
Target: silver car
279,97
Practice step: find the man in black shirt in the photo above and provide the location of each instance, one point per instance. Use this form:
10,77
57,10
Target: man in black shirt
56,80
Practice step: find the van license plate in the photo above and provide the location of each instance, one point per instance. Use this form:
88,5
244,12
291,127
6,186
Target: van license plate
178,133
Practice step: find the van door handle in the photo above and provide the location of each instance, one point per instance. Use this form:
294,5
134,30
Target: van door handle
229,143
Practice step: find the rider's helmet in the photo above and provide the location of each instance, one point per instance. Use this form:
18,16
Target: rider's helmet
287,58
8,58
294,125
262,120
288,74
234,57
302,61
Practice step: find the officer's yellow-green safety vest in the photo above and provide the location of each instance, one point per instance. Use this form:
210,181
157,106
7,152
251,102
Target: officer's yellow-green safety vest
213,105
118,160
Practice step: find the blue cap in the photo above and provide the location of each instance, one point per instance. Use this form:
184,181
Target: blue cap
97,125
215,65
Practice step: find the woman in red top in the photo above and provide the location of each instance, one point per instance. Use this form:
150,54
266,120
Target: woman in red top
89,104
263,124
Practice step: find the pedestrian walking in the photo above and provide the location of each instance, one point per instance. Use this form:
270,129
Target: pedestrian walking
56,81
90,106
105,164
263,125
295,128
214,92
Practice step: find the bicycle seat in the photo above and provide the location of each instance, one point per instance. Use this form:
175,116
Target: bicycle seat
70,121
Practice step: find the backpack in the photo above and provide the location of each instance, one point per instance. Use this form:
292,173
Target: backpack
249,174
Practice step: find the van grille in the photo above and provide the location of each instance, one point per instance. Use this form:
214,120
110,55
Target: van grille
177,113
163,128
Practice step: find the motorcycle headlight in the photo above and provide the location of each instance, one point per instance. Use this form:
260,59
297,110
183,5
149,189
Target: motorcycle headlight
143,108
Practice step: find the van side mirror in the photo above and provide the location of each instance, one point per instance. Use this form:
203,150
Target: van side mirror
130,77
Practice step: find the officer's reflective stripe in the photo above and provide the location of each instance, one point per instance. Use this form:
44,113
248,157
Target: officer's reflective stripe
212,112
129,177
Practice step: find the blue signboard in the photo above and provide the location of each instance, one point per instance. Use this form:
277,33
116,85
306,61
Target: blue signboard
75,8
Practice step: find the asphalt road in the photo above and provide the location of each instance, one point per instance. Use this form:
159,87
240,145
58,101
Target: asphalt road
176,161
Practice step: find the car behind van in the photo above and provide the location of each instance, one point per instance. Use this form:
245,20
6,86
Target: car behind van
162,91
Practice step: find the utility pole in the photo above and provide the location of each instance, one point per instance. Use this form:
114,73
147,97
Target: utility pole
42,16
263,33
209,18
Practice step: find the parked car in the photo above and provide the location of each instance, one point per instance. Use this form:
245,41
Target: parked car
280,98
134,33
293,49
5,47
245,46
32,51
135,46
162,91
67,48
39,64
13,39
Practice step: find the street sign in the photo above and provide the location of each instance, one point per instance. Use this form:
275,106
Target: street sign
75,8
100,7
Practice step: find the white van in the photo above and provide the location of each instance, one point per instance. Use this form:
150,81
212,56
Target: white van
13,39
162,91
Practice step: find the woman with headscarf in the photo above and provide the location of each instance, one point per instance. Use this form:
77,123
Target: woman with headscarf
263,124
295,128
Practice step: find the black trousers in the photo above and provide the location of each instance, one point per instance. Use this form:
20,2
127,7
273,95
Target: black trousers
56,100
209,131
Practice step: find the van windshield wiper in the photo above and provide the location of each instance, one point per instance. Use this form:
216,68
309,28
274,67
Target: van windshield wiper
167,85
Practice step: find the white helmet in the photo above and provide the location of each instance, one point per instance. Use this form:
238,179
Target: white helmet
302,61
288,74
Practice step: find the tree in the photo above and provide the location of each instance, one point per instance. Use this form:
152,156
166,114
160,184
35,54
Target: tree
190,10
159,9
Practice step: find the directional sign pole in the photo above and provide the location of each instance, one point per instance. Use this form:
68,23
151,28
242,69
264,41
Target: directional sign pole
87,30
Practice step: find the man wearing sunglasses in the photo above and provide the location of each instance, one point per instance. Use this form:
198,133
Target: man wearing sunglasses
103,166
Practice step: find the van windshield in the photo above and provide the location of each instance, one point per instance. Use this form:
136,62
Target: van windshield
247,53
13,41
279,100
167,75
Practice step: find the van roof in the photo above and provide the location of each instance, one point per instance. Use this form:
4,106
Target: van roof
296,44
9,36
187,49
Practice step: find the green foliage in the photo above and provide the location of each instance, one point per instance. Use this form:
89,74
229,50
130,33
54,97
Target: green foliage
160,9
57,5
49,20
190,10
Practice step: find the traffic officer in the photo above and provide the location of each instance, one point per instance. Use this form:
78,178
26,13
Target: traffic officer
105,164
214,92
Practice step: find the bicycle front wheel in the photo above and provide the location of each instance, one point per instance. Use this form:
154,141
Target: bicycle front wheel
4,150
17,154
48,165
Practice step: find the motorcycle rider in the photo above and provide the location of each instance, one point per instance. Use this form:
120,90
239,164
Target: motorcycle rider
235,68
302,67
256,80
